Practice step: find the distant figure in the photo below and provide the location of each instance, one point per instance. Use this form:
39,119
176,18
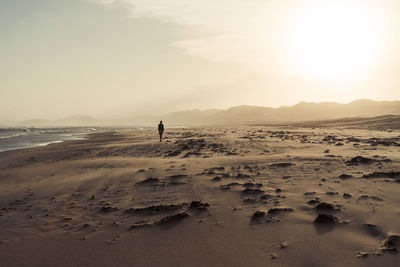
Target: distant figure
161,129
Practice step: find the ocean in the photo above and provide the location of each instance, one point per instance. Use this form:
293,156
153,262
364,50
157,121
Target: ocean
18,138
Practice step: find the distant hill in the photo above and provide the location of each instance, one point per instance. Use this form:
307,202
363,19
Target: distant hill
302,111
71,121
240,115
387,122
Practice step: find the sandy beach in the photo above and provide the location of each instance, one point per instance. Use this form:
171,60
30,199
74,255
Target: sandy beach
187,133
245,196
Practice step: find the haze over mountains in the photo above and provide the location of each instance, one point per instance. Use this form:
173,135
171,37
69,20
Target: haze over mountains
303,111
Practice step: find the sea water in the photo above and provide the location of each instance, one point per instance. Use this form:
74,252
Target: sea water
18,138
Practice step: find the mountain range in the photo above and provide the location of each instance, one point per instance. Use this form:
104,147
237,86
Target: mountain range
239,115
303,111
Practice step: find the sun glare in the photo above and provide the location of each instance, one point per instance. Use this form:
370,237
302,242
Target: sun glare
335,40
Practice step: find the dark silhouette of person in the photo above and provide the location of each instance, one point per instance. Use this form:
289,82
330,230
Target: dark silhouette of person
161,129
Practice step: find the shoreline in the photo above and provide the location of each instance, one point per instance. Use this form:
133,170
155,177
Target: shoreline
73,135
40,137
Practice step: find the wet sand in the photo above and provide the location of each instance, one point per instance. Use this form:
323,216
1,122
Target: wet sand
245,196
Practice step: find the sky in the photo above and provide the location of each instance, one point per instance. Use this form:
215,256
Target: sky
124,58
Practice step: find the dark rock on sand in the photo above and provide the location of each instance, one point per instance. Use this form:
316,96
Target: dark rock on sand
207,172
108,208
173,218
383,141
283,245
216,169
353,140
362,254
233,184
326,219
172,153
199,205
346,195
282,164
247,168
228,186
273,256
86,225
258,216
345,176
252,185
251,191
176,179
266,196
391,244
359,160
216,179
177,176
156,208
326,206
391,174
148,181
279,210
313,201
192,153
331,156
370,197
243,176
331,138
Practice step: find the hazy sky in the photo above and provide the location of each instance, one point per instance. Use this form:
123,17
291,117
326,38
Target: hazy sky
109,58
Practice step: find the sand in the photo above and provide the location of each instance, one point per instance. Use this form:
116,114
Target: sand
243,196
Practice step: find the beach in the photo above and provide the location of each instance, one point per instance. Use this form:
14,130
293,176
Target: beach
205,196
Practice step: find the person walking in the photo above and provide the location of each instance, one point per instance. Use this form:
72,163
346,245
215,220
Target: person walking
161,129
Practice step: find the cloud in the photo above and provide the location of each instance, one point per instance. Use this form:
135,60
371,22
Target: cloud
224,30
257,32
263,36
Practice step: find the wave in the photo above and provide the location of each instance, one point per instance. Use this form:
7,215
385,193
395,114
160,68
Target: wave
18,138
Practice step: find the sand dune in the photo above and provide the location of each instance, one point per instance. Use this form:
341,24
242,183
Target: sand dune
243,196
